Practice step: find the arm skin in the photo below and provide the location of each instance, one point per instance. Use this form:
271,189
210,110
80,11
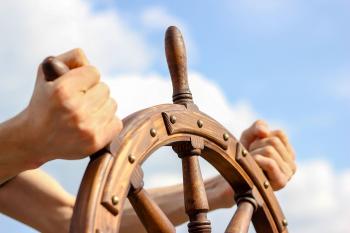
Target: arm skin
37,200
74,110
48,207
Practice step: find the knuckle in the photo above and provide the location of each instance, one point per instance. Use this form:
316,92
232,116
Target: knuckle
259,122
272,166
60,93
282,135
274,141
280,183
78,53
269,151
76,117
93,70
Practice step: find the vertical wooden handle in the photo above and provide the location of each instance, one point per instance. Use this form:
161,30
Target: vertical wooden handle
53,68
177,62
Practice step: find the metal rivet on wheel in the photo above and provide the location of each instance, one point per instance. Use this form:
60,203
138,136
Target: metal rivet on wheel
226,136
115,200
244,153
285,222
266,184
200,123
153,132
173,119
131,158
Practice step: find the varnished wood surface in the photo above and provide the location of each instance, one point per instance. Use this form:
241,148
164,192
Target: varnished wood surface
115,172
241,219
135,139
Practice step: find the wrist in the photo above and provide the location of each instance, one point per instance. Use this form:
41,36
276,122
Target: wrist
16,146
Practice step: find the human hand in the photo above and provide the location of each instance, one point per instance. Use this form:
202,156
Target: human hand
272,152
72,116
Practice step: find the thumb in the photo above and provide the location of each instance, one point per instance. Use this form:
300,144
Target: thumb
259,129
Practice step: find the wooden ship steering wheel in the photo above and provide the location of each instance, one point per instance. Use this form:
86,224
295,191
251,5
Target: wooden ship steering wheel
114,173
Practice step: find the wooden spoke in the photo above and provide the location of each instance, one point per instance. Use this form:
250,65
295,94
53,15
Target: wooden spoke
151,216
191,133
196,203
242,217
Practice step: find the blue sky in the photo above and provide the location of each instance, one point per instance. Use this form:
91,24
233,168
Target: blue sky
287,58
287,62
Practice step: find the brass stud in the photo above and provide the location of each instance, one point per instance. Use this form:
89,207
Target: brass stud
266,184
115,200
226,136
200,123
173,119
131,158
284,222
153,132
244,153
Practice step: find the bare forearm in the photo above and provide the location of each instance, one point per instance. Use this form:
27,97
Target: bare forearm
37,200
13,149
171,201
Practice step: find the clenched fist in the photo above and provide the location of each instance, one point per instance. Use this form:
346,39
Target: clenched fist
68,118
271,151
72,116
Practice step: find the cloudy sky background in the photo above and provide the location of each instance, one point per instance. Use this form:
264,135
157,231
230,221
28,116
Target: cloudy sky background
284,61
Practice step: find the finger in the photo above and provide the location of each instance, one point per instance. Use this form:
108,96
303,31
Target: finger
259,129
80,79
74,58
112,129
95,97
270,152
278,146
107,112
283,137
276,177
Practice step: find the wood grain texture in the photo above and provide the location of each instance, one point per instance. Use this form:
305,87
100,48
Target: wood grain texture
241,219
53,68
151,216
105,178
175,52
255,173
112,176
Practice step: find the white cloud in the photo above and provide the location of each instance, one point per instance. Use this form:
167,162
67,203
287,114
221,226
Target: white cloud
157,17
32,30
315,200
315,194
135,92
